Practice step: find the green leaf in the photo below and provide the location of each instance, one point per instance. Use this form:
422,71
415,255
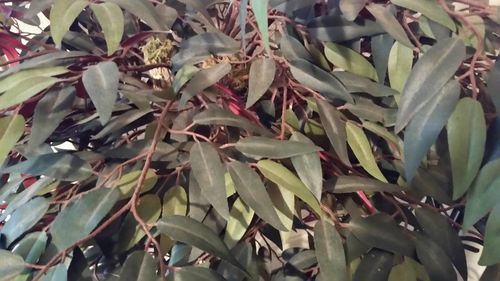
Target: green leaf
466,140
192,232
24,76
11,265
381,131
139,266
351,8
308,167
335,128
341,30
377,232
128,182
259,8
56,273
49,113
144,10
81,216
388,21
437,264
11,129
359,84
381,48
207,169
175,201
253,192
437,227
189,273
293,49
424,128
399,66
240,218
182,76
31,247
24,217
261,77
348,184
431,72
214,42
403,272
243,22
319,80
101,83
283,177
284,204
24,91
329,251
375,266
62,15
360,145
202,80
112,23
430,9
484,194
350,60
258,147
490,254
493,84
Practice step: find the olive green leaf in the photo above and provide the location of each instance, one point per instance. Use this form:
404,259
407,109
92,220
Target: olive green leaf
62,15
24,76
388,21
375,266
196,273
261,77
138,266
431,72
359,84
430,9
259,8
11,129
207,169
240,218
348,184
403,272
293,49
308,167
284,203
128,182
258,147
202,80
182,76
466,140
329,251
32,246
111,20
399,65
175,201
144,10
381,131
360,145
335,129
350,60
490,254
23,91
11,265
437,264
351,8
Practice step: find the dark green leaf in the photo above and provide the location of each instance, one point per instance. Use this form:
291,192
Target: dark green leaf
284,203
216,43
259,147
182,76
293,49
466,140
330,251
259,8
388,21
437,264
191,273
62,15
11,129
81,216
375,266
355,248
493,83
117,124
219,116
335,129
403,272
261,77
348,184
490,254
351,8
431,72
381,48
145,11
207,169
101,83
112,23
308,167
31,246
139,266
319,80
341,30
430,9
359,84
350,60
303,260
424,128
204,79
24,91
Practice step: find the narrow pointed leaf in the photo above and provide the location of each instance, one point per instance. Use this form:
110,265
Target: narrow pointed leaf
243,23
240,218
399,65
284,204
111,20
11,129
223,117
490,254
62,15
430,9
261,77
144,10
389,22
348,184
308,167
138,266
259,8
335,129
204,79
25,91
431,72
11,265
466,140
207,169
437,264
24,76
101,83
188,273
350,60
293,49
351,8
32,246
330,251
253,192
375,266
259,147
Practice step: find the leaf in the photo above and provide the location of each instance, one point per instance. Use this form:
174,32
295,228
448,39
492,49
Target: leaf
375,266
128,182
144,10
284,204
214,42
424,128
259,8
466,140
175,201
23,218
243,22
56,273
490,255
31,247
380,233
341,30
437,264
62,15
351,8
403,272
182,76
348,184
101,83
350,60
493,84
61,166
380,45
281,176
11,265
258,147
139,266
329,251
49,113
253,192
319,80
261,77
399,67
381,131
293,49
308,167
430,9
208,170
25,91
437,227
359,144
112,23
335,128
483,195
11,130
81,216
431,72
240,218
191,232
388,21
359,84
24,76
202,80
188,273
